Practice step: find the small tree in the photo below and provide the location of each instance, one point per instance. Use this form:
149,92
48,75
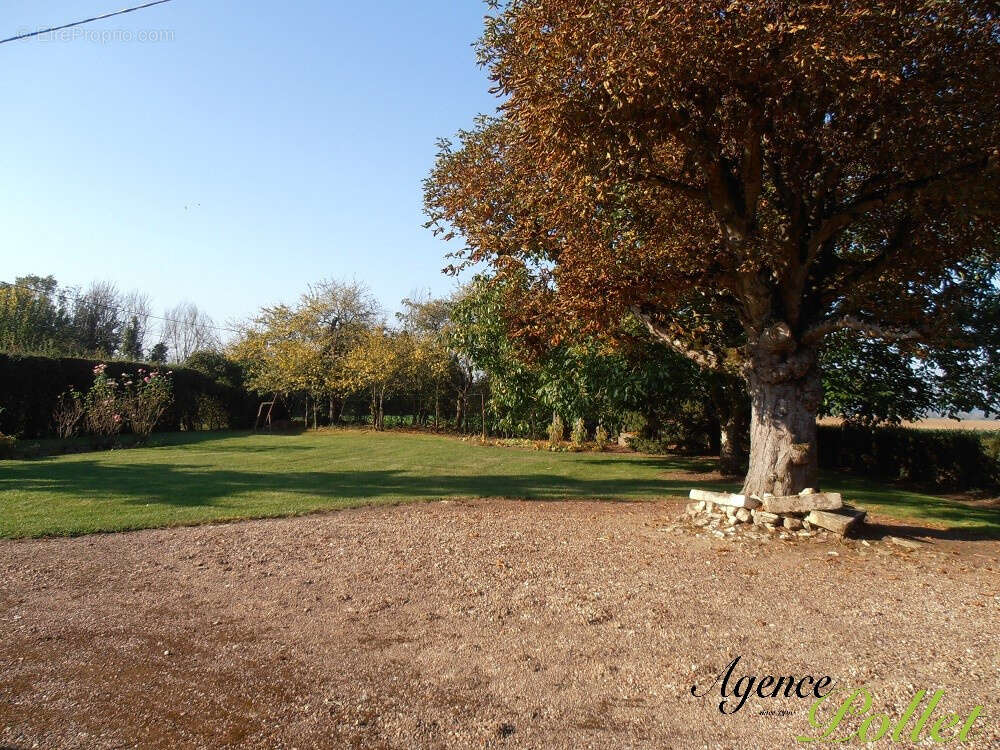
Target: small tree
579,433
158,354
381,363
601,437
131,346
303,348
556,431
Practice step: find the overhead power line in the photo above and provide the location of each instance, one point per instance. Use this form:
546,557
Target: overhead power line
80,23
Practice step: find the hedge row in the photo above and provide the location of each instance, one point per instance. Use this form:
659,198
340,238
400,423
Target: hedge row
943,459
30,387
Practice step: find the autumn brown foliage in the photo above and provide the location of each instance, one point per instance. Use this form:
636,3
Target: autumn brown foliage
745,177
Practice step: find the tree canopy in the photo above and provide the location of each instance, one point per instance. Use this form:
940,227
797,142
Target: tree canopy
795,169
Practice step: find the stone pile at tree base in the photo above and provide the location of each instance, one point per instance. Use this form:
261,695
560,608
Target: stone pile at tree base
805,514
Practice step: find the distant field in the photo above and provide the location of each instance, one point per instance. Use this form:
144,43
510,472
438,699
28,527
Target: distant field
984,425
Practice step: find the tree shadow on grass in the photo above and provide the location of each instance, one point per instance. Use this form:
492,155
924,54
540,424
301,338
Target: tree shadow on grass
966,521
690,464
190,485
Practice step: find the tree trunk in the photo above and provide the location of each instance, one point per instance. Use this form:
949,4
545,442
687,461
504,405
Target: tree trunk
381,410
732,428
732,447
785,397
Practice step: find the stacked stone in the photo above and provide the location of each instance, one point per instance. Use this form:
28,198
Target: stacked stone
803,513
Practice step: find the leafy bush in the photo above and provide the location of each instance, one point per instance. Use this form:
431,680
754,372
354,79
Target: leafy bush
579,433
7,445
601,437
991,446
145,397
103,407
556,431
650,445
68,414
211,414
31,386
943,459
217,366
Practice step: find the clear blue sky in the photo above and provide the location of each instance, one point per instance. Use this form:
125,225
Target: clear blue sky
295,134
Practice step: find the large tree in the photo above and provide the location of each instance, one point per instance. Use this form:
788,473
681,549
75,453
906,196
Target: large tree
798,168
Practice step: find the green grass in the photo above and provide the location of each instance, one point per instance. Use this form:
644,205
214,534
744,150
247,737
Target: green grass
187,479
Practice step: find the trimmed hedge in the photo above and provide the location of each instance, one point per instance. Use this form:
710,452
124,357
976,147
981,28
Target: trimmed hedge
943,459
30,386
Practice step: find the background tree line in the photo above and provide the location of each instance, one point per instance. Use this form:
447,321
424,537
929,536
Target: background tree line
37,316
460,363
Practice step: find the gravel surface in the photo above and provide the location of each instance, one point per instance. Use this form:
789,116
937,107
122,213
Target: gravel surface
480,624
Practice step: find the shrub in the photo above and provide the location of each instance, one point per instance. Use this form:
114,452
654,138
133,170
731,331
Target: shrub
991,446
579,433
210,414
942,459
601,437
144,399
556,431
103,408
634,421
8,443
654,446
31,386
216,366
69,412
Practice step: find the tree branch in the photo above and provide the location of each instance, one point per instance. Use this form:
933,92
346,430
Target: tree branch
849,322
752,168
871,201
703,357
683,188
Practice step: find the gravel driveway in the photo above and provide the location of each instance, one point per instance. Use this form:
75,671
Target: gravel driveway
481,624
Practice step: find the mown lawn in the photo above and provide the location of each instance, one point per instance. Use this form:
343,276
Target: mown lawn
186,479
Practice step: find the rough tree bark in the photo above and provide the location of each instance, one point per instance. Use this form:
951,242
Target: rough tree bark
733,412
785,393
733,455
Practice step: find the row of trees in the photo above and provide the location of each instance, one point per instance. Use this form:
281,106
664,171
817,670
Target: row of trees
623,378
335,344
448,360
39,316
463,362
